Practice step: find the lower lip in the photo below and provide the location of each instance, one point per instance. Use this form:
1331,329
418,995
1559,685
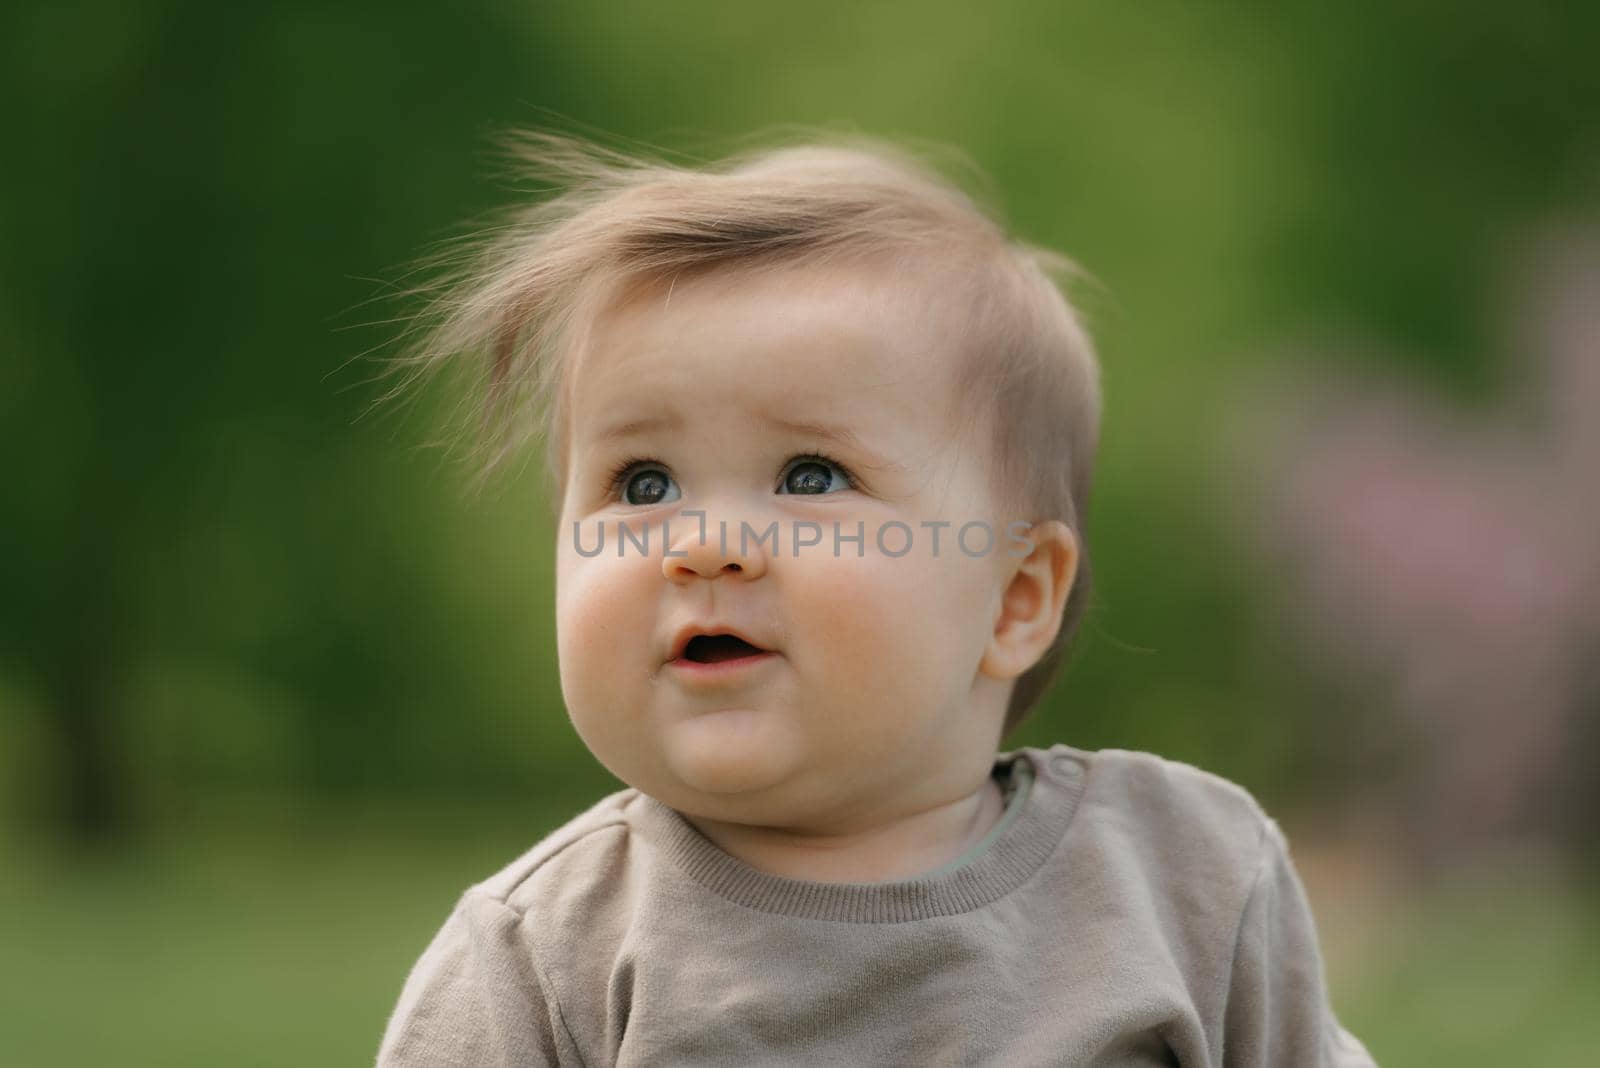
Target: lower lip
720,668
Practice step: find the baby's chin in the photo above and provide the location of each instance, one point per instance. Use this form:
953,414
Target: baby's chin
733,751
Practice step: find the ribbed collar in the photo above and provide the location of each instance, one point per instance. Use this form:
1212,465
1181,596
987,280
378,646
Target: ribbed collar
1048,785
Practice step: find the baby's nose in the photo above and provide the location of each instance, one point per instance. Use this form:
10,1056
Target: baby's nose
706,548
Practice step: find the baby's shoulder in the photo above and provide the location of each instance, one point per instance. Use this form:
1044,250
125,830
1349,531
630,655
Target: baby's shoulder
573,863
1170,811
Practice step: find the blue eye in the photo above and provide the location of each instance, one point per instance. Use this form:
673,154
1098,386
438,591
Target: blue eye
647,485
814,476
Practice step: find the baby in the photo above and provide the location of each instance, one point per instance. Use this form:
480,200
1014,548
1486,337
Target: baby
820,856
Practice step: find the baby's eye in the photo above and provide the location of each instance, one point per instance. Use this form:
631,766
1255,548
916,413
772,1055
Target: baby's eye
647,485
814,476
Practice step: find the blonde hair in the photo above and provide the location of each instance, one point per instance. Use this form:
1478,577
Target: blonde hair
522,294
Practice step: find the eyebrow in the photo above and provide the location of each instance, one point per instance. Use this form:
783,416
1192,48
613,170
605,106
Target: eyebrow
804,428
635,427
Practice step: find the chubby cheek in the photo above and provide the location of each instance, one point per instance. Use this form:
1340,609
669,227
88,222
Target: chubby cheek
604,631
886,634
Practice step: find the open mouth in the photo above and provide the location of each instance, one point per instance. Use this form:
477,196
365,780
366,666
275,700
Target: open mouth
716,648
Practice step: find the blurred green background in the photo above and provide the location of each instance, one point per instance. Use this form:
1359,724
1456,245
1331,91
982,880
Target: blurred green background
263,660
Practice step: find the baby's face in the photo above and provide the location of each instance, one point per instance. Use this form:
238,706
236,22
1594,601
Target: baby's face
873,698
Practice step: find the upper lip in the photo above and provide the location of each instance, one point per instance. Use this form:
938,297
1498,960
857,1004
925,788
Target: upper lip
680,641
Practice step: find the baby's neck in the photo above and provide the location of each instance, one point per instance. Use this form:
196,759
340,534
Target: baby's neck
902,849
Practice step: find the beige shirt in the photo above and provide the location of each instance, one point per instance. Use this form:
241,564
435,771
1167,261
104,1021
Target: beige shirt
1126,910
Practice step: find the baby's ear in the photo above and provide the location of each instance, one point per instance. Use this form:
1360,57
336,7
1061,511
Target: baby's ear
1029,614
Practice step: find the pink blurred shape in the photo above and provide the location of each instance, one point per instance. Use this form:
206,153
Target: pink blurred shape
1449,560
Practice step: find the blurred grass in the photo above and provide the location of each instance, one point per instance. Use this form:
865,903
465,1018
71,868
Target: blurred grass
268,932
1496,968
265,933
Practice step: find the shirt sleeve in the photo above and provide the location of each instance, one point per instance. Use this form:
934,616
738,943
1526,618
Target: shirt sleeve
1278,1011
476,997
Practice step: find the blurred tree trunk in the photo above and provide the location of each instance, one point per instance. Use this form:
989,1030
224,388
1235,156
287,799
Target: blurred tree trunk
89,652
